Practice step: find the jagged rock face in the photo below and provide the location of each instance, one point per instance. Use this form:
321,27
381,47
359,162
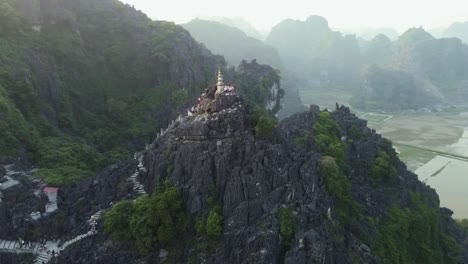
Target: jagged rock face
261,84
256,178
253,179
75,205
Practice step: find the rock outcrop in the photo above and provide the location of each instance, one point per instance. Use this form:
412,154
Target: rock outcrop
216,158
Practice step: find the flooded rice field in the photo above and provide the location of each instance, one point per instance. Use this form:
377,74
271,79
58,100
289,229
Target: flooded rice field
449,177
441,136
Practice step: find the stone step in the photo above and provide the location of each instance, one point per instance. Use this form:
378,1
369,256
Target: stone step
12,245
42,258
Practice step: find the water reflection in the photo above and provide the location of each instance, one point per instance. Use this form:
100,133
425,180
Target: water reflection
449,177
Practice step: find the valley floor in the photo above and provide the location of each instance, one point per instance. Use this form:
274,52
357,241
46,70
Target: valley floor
435,147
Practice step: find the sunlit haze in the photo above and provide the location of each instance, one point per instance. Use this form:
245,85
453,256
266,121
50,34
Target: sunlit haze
264,14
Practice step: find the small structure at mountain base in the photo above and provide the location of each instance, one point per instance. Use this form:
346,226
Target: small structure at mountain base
51,193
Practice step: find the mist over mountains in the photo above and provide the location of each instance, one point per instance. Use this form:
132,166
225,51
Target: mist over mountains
165,143
320,58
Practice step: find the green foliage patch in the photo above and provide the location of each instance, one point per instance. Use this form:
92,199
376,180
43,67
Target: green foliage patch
211,225
382,170
88,97
413,235
287,223
265,126
339,188
150,221
328,138
355,132
214,223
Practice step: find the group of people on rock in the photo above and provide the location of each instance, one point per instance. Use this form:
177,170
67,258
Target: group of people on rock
210,92
42,245
229,89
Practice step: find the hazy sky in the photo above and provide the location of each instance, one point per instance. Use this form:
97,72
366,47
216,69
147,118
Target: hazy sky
263,14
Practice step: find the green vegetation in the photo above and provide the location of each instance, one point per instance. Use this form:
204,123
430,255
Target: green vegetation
302,140
339,188
214,223
75,103
287,223
328,138
414,235
382,169
355,132
158,219
256,82
117,220
265,126
463,224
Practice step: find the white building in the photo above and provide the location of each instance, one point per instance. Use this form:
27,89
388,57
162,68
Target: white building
220,83
52,195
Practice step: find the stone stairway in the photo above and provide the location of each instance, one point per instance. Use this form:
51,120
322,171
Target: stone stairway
44,256
6,245
138,188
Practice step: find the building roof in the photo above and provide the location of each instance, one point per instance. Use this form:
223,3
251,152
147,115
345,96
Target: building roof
50,189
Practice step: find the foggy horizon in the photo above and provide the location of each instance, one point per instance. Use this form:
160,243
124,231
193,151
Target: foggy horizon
357,16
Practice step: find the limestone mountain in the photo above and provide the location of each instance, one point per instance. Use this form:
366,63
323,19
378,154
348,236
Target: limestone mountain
414,36
457,30
417,71
239,197
93,79
393,90
96,80
370,34
239,23
232,43
380,51
311,50
329,64
236,47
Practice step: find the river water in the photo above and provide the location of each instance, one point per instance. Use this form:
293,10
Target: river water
461,147
449,177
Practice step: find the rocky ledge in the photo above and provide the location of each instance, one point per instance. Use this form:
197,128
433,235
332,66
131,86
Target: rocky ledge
215,159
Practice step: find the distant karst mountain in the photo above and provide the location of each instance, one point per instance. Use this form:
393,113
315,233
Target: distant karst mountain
457,30
240,23
232,43
84,84
332,64
236,46
416,71
320,57
369,34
